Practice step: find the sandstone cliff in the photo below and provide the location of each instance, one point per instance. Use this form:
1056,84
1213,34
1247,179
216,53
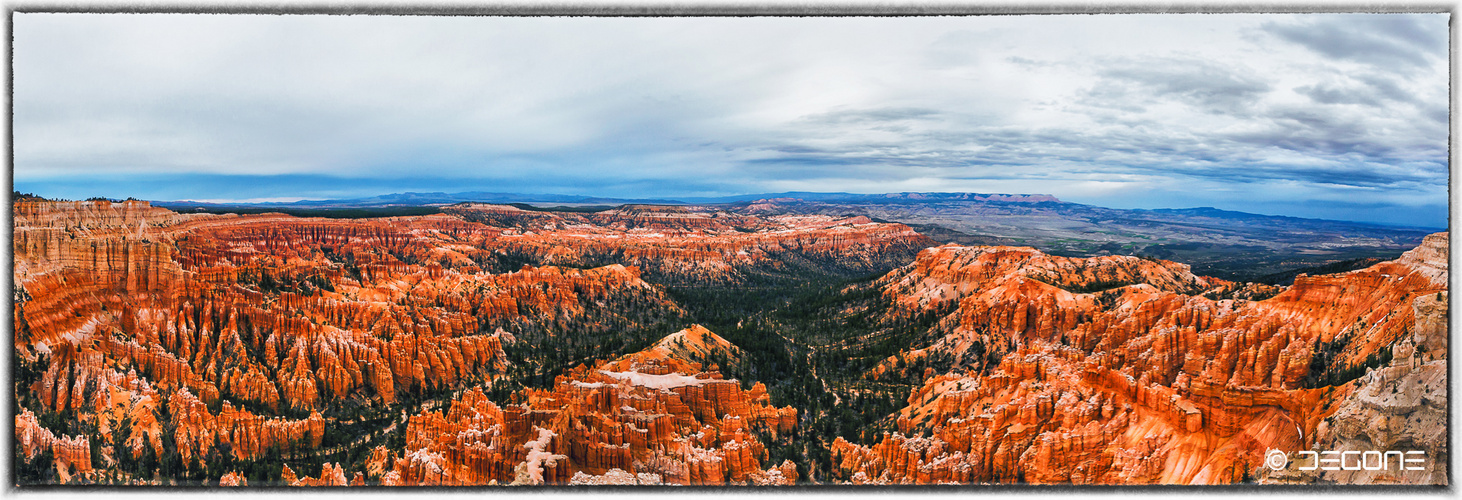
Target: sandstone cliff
1400,407
71,454
647,418
1102,370
1135,377
693,244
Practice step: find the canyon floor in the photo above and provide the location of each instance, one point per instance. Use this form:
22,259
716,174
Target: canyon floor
769,343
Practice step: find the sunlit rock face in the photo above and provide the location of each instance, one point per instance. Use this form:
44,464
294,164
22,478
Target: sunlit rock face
70,454
127,304
699,245
646,418
1146,379
243,331
252,335
1400,408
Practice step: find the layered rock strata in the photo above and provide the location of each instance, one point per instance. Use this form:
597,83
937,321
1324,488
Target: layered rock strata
123,309
698,245
1392,428
641,419
1146,380
71,454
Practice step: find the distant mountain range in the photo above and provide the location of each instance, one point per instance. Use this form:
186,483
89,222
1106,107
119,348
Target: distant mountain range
415,199
440,198
437,198
1223,243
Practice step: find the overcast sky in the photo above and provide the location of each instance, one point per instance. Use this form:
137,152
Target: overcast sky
1313,115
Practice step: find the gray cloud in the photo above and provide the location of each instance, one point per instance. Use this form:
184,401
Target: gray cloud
1397,41
877,115
1387,88
1327,94
1202,84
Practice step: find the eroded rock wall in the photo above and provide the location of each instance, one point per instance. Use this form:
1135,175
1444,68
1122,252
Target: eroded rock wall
1149,381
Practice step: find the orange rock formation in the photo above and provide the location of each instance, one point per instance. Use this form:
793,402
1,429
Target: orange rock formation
70,453
695,244
647,418
127,309
1400,407
1144,382
1110,369
233,479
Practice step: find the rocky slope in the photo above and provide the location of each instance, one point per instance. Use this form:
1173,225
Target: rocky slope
1147,380
70,454
1399,407
695,344
259,331
248,310
646,418
699,245
152,345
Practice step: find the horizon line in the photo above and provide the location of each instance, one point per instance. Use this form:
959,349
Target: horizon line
259,203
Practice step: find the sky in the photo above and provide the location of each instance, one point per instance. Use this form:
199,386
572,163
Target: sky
1338,116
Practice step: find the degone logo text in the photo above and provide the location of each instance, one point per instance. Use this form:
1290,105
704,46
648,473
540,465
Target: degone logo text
1348,460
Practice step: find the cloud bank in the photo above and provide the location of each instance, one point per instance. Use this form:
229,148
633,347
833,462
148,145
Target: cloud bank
1318,115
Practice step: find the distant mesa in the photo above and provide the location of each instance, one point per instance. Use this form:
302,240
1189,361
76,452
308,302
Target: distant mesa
1013,198
443,199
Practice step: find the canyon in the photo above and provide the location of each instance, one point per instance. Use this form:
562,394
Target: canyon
682,345
1149,380
653,419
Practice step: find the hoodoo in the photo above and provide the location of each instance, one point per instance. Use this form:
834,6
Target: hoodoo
1118,370
498,345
